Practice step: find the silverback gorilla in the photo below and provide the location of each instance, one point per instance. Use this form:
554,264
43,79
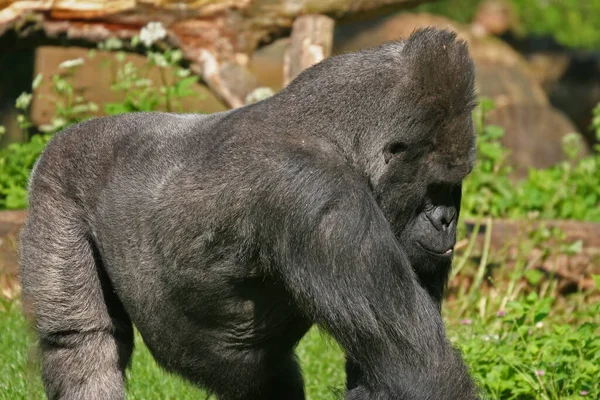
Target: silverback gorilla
224,238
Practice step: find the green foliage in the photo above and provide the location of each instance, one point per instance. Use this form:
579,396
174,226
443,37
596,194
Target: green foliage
19,379
488,189
137,93
16,162
573,23
69,107
520,355
568,190
596,124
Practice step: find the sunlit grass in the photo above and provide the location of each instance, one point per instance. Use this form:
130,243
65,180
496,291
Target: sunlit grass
320,357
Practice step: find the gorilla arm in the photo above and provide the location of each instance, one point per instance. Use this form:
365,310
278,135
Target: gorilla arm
338,257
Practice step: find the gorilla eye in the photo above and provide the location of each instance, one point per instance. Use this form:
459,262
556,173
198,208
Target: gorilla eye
392,149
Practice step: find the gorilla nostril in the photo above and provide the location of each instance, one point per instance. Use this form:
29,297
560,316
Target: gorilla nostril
445,224
452,214
436,219
441,217
447,220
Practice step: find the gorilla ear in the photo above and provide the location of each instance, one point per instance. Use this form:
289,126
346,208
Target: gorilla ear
439,72
393,148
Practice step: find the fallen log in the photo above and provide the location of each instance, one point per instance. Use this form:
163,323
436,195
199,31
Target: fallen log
216,36
311,41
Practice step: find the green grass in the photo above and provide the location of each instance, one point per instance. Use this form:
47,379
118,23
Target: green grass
535,348
18,378
321,359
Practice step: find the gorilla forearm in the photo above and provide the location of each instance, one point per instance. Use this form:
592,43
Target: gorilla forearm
365,293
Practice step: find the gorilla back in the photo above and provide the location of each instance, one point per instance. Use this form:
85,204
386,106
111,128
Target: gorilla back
223,238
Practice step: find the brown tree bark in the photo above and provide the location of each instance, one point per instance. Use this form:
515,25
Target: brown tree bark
217,36
311,41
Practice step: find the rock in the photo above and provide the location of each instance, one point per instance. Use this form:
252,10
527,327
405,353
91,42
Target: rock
493,17
565,74
577,92
534,134
548,67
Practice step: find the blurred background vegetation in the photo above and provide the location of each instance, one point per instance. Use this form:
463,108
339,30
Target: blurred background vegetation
571,23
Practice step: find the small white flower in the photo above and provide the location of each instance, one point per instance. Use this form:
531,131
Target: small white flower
158,59
488,338
539,325
143,83
113,43
37,81
259,94
152,32
183,72
71,63
23,100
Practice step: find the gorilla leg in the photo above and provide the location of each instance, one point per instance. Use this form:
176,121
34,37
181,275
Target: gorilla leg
353,374
284,382
248,374
86,338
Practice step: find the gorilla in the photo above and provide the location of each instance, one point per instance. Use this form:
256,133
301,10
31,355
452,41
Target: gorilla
223,238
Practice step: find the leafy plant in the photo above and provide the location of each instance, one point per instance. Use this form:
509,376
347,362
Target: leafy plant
137,92
488,189
567,190
522,354
16,161
140,94
573,23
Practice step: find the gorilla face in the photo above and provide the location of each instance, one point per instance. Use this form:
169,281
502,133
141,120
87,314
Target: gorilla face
434,229
419,191
420,188
429,237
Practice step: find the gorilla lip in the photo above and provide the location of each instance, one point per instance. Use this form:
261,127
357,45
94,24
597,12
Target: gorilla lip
446,253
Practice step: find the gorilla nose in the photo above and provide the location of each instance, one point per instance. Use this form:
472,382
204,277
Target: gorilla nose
441,217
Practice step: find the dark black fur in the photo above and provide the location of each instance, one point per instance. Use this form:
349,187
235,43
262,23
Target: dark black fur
223,238
429,241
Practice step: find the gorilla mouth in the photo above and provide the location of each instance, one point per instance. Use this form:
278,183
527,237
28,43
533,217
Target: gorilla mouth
439,253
